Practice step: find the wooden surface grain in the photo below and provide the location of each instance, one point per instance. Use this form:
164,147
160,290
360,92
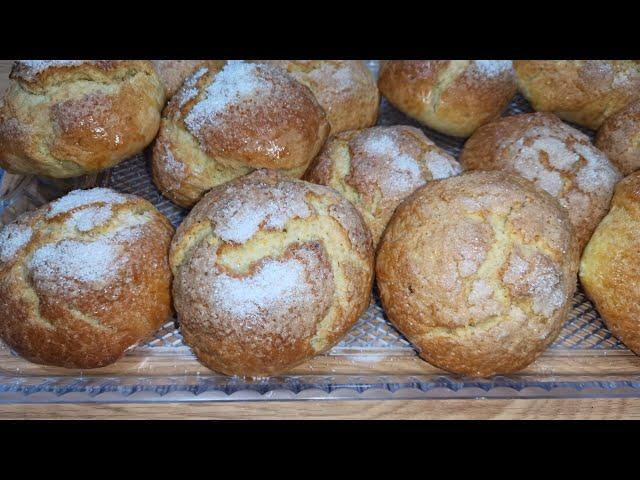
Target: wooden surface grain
615,408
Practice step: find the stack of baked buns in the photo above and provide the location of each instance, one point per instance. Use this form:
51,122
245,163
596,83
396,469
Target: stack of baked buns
298,200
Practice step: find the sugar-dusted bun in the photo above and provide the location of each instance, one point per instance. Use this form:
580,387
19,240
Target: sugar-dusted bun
222,125
376,168
585,92
268,273
452,96
553,155
610,265
619,138
174,72
478,272
66,118
84,278
345,89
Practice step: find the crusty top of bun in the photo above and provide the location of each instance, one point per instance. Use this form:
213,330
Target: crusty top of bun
251,114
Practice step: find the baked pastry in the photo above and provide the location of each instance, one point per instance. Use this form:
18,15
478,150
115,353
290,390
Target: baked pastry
268,273
345,89
610,265
84,278
585,92
478,272
451,96
556,157
376,168
222,125
66,118
619,138
174,72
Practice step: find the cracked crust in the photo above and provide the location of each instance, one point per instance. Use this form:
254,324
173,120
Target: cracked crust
67,119
345,89
556,157
78,288
174,72
451,96
610,265
619,138
224,124
268,273
478,271
376,168
585,92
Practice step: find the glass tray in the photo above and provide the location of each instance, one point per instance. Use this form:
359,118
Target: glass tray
373,361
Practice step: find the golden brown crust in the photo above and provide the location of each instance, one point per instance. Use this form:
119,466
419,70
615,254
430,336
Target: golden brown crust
619,138
68,118
585,92
345,89
556,157
84,278
478,271
269,272
610,265
222,125
452,96
174,72
376,168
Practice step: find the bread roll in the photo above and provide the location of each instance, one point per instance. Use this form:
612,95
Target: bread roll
619,138
585,92
553,155
345,89
451,96
376,168
222,125
66,118
610,265
84,278
478,272
268,273
174,72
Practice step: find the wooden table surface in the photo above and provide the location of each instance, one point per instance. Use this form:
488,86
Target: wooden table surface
355,409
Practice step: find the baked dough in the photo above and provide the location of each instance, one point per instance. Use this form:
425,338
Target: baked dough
173,73
556,157
84,278
345,89
478,272
619,138
585,92
378,167
222,125
610,265
451,96
66,118
269,272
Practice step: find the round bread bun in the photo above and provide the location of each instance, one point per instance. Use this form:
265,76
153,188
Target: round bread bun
585,92
478,272
269,272
556,157
451,96
619,138
174,72
376,168
222,125
66,118
84,278
345,89
610,265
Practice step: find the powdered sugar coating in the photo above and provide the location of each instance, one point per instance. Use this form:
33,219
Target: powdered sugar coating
32,68
79,198
88,218
233,85
12,238
258,207
492,68
440,166
189,90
